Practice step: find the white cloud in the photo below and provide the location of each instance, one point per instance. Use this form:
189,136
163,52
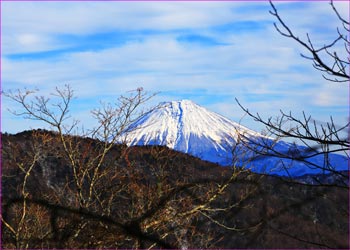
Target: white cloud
28,39
258,62
50,19
331,94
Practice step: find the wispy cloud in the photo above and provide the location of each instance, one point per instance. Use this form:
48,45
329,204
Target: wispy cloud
210,52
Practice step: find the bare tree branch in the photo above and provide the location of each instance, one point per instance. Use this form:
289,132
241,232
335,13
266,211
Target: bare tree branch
338,68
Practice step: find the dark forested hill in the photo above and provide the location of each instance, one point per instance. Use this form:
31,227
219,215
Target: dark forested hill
65,195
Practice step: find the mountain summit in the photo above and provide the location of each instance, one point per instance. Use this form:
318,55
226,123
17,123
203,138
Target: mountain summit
190,128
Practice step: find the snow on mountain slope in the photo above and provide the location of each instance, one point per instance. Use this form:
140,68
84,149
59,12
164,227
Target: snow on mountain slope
190,128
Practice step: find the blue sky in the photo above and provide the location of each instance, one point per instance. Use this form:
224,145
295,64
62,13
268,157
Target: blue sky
209,52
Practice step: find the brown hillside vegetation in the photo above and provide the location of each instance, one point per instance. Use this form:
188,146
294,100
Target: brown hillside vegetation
154,197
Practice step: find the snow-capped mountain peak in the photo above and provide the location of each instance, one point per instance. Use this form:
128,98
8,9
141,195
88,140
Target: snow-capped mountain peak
189,128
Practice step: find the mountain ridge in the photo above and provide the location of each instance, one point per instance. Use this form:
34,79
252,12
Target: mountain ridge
187,127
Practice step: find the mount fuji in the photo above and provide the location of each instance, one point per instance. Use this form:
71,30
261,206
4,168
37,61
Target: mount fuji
189,128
